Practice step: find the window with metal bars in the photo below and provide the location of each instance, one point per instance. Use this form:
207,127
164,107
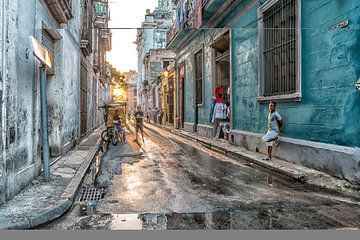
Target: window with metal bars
279,48
198,77
49,42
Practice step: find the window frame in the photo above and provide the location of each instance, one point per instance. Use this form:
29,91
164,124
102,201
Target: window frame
200,49
297,95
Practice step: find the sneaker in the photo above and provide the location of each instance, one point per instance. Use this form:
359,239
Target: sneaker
266,159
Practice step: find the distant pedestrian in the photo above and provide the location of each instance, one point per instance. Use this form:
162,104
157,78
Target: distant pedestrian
271,134
139,125
156,115
160,116
148,115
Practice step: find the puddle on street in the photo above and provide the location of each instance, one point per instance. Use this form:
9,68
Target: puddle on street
260,219
126,222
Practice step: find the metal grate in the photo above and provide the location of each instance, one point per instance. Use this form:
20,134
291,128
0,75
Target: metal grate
280,22
91,194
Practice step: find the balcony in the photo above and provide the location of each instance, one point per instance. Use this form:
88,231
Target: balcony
101,14
106,39
96,65
60,9
86,42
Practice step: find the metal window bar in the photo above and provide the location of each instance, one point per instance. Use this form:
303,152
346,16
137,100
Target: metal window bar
280,48
198,77
48,41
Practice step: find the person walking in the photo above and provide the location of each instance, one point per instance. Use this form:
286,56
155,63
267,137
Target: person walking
148,115
139,125
271,134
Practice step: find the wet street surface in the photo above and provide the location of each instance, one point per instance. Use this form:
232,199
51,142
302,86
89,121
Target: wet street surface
173,183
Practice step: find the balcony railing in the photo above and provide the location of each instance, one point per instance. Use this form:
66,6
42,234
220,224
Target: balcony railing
61,10
86,42
96,65
106,39
192,21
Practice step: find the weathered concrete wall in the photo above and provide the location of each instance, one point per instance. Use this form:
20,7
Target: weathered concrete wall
2,76
71,90
20,90
20,161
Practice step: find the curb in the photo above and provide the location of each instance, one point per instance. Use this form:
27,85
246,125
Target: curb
273,167
66,199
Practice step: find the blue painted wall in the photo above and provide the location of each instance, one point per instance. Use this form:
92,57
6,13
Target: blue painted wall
330,108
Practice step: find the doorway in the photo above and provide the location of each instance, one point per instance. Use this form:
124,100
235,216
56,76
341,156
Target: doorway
83,99
181,95
221,48
221,80
170,100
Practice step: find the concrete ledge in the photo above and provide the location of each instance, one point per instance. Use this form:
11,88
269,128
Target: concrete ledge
72,188
50,214
205,130
338,161
18,224
189,127
68,146
28,221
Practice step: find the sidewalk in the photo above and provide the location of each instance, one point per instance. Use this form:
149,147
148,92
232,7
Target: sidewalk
290,170
41,201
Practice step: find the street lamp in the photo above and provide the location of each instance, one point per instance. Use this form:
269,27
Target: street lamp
118,92
166,73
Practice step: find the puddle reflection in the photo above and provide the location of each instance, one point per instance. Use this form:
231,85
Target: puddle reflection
258,219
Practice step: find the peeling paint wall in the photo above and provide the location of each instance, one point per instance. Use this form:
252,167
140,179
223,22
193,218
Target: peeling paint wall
329,110
3,6
201,42
20,161
155,69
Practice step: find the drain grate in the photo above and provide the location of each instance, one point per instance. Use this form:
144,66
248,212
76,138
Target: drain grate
91,194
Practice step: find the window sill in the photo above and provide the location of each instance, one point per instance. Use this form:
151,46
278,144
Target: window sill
295,97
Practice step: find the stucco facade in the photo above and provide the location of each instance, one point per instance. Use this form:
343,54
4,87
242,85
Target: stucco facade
152,35
322,126
21,142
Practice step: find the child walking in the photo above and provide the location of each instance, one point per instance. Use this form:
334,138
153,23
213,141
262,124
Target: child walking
271,134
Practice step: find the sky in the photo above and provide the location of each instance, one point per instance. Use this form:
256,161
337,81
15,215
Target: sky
126,14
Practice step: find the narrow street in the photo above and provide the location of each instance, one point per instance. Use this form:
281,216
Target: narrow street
173,183
250,110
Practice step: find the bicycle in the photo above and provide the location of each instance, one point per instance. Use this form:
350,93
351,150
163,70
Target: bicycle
113,121
108,135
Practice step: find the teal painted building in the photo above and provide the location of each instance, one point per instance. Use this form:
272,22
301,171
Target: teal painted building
305,55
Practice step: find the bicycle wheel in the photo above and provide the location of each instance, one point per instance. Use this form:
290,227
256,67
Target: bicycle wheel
114,138
105,136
